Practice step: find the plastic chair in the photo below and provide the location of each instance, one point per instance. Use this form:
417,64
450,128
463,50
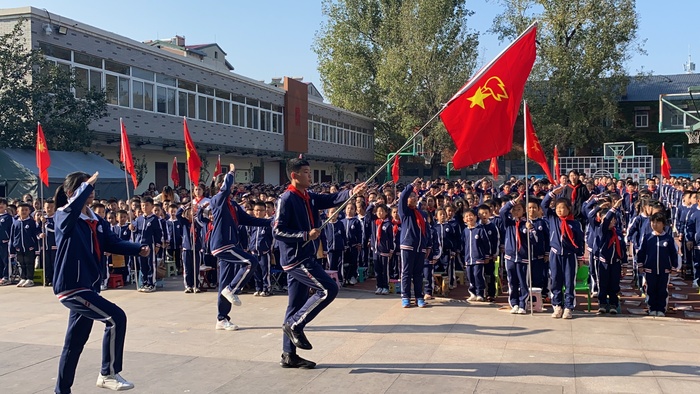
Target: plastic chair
582,283
170,268
115,281
497,274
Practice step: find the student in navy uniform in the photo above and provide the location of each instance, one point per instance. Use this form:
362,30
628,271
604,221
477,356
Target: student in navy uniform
335,243
260,245
5,228
174,230
382,245
353,244
225,246
566,244
540,247
657,257
296,222
147,231
414,242
49,244
190,268
611,254
516,253
82,238
475,245
395,263
24,244
494,241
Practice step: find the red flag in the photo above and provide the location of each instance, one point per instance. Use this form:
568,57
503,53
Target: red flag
557,171
194,163
481,115
174,174
217,170
395,169
125,155
43,160
493,167
665,165
533,149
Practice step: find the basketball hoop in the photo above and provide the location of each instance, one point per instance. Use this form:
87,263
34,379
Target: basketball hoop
693,136
619,159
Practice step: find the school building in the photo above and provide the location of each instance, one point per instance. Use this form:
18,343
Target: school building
152,85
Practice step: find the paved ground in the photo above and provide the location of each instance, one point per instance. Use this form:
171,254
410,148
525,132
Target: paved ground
363,343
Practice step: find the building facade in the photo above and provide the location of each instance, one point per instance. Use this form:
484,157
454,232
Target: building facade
151,86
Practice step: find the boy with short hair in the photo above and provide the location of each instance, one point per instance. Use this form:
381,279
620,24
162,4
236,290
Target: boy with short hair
5,229
174,230
353,244
147,232
50,240
382,245
260,245
657,256
25,233
334,243
414,242
476,251
611,254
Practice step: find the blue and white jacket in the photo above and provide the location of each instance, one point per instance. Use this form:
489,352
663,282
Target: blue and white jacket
412,238
657,253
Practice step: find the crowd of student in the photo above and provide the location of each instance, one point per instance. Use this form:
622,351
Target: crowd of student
535,229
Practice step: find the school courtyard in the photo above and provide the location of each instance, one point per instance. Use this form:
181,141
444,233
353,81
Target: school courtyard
362,343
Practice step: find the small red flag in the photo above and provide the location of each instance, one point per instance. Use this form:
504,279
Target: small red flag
395,169
533,148
665,165
125,155
493,167
217,170
43,160
194,163
481,115
557,171
174,174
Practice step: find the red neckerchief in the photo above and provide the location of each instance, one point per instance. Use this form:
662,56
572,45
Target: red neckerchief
379,222
420,220
615,240
517,235
566,230
95,243
396,224
307,199
210,227
573,192
231,209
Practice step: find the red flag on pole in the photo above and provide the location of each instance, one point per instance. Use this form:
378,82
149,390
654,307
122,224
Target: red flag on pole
194,163
43,160
395,169
125,155
174,174
493,167
533,149
217,170
481,115
665,165
557,172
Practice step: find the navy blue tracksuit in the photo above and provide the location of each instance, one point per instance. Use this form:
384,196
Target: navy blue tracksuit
382,245
147,231
414,241
611,254
335,246
657,256
24,244
353,245
5,229
260,245
476,251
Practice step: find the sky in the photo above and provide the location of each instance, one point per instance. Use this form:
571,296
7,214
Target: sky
273,38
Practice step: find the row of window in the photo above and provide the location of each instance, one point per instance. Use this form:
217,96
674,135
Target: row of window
136,88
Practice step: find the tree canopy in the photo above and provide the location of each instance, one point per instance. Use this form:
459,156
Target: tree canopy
33,90
397,61
580,74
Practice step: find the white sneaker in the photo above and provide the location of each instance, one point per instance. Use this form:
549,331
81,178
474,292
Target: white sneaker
226,325
28,283
257,294
522,311
695,284
21,283
660,314
103,287
472,297
479,299
148,289
568,314
514,309
558,312
353,281
378,291
385,291
113,382
232,298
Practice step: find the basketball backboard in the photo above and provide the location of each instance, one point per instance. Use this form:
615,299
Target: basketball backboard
680,113
618,151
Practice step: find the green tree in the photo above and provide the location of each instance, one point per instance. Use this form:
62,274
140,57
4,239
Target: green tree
579,75
33,90
397,61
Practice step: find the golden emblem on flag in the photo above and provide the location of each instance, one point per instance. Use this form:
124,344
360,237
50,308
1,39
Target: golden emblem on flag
493,87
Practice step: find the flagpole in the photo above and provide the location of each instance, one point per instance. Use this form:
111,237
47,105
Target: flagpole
128,203
527,203
193,242
43,231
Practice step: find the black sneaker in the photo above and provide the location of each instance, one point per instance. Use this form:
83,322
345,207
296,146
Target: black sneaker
297,336
613,310
601,311
294,361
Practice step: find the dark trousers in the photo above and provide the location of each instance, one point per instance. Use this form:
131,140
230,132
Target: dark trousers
428,269
85,307
657,291
540,277
262,272
609,283
350,262
412,273
302,309
49,257
189,267
395,266
477,280
26,264
5,269
696,265
490,275
381,269
146,268
335,262
518,290
593,272
231,277
563,269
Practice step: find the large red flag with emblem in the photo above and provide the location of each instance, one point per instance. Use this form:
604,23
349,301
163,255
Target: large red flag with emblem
665,165
43,160
533,149
125,155
481,115
174,174
557,171
194,163
493,167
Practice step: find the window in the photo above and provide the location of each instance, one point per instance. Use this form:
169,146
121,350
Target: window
137,95
206,108
88,60
677,120
142,74
166,100
55,51
252,118
641,150
238,115
124,92
677,151
111,88
641,119
116,67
